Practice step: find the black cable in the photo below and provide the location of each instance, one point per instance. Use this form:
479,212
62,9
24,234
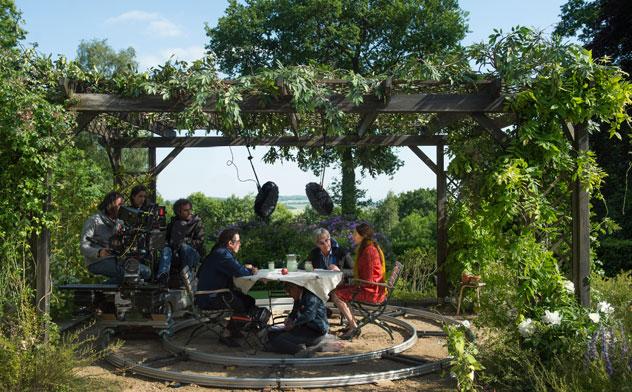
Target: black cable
231,162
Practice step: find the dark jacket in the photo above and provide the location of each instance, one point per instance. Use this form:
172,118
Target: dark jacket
337,256
189,232
218,270
311,312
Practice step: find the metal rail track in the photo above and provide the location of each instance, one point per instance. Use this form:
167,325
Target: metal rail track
220,359
307,382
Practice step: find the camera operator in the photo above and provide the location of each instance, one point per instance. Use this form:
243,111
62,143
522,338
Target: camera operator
138,197
185,235
95,239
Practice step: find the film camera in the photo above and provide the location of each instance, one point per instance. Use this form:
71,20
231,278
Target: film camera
140,238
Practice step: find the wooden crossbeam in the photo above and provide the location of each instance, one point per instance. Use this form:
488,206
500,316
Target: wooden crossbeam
156,127
399,103
166,161
282,141
426,159
490,126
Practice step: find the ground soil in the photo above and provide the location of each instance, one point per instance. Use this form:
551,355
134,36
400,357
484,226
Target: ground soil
147,348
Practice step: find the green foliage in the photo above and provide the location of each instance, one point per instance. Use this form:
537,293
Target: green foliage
32,362
422,201
414,231
463,354
419,269
617,291
386,216
11,31
616,255
364,36
98,55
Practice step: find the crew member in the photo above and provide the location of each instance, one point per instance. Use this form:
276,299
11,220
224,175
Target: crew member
95,241
185,236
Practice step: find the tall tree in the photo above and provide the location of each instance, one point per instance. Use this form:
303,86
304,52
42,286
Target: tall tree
11,31
98,54
365,36
604,27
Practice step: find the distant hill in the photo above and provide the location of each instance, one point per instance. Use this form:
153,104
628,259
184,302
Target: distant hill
294,202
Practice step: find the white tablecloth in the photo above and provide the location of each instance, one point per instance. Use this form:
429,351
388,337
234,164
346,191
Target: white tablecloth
319,282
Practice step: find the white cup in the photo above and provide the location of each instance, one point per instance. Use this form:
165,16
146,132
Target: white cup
270,265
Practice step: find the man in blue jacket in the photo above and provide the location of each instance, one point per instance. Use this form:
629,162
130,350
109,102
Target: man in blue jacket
305,326
217,272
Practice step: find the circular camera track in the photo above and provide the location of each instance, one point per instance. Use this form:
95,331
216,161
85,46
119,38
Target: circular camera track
275,376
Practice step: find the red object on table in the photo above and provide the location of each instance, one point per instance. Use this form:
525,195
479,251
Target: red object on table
283,271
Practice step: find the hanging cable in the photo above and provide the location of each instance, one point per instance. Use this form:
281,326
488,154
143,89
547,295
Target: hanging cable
253,167
231,162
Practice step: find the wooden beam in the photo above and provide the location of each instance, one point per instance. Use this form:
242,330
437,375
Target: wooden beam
155,127
399,103
83,120
490,126
581,226
442,226
168,159
283,141
365,122
426,159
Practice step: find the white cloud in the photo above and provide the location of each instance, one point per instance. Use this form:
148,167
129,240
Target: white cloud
154,23
187,54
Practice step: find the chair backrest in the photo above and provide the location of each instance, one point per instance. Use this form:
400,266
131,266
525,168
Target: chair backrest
395,274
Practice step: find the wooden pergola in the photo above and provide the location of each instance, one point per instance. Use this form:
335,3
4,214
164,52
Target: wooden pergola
483,106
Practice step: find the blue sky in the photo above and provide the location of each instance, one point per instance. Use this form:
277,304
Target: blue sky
159,29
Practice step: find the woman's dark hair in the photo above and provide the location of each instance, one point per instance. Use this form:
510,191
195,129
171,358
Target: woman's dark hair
224,238
136,190
367,233
109,201
179,204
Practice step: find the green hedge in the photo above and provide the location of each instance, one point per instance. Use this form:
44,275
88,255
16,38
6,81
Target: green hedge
616,255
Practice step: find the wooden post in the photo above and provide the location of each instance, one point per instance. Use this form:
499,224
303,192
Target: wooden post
581,226
442,225
42,261
151,165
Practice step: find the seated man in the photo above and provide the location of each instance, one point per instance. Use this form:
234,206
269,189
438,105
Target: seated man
305,326
95,241
328,254
217,272
185,235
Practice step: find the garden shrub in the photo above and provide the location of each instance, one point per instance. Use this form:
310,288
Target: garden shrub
35,357
615,255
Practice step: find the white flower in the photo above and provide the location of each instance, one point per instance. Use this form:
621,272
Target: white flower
569,287
594,317
466,324
552,318
605,308
526,328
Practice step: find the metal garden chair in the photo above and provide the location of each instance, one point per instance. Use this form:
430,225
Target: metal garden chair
205,317
371,312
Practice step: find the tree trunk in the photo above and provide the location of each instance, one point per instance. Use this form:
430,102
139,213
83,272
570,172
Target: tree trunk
348,191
